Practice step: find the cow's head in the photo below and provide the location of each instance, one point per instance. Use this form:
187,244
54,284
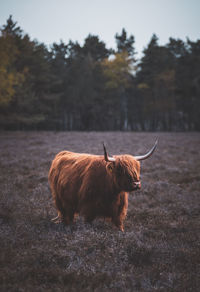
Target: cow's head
125,169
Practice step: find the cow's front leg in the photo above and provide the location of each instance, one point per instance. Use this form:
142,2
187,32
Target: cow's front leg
119,210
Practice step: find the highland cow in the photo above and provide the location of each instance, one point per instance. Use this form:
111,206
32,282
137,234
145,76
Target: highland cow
93,185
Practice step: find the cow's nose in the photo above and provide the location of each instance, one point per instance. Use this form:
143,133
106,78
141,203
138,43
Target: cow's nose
137,184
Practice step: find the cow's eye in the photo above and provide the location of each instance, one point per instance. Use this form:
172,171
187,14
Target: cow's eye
129,176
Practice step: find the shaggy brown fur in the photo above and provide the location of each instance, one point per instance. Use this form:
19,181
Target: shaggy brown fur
88,185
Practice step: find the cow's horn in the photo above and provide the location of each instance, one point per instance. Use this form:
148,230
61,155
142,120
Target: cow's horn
106,157
148,154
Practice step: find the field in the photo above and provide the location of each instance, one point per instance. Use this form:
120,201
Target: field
160,248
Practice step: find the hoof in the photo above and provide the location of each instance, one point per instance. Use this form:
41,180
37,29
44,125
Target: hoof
56,220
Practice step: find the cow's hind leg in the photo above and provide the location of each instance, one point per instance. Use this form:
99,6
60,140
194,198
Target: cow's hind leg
68,216
60,209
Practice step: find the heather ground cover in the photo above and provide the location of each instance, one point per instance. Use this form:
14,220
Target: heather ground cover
159,250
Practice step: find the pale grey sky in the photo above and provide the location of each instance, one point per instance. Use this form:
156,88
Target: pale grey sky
49,21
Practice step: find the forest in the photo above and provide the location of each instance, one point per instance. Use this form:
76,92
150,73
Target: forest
69,87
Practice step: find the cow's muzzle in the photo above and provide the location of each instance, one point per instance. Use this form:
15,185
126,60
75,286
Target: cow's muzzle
137,185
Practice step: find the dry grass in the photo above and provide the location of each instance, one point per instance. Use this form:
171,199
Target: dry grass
159,250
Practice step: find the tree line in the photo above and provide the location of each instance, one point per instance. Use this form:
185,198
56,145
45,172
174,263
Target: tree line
91,87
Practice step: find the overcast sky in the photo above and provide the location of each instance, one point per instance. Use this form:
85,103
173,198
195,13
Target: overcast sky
50,21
